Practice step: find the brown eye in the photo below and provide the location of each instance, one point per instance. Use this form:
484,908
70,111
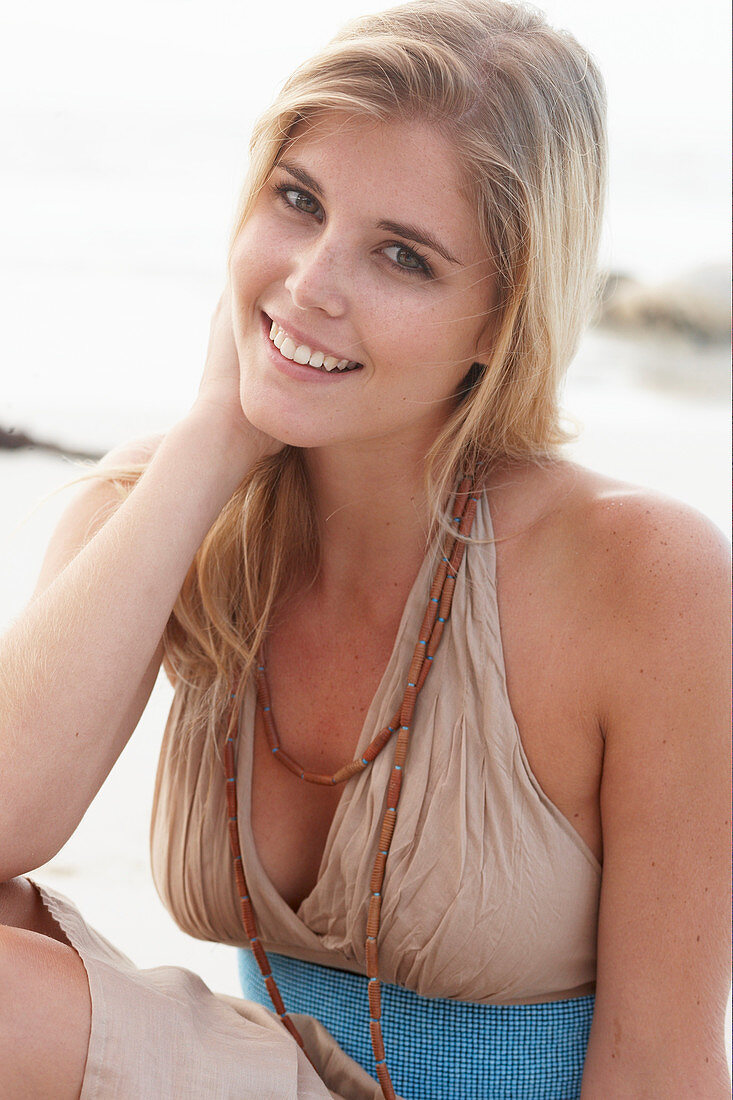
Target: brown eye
408,260
298,200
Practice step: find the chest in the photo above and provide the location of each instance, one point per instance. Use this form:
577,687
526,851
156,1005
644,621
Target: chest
322,683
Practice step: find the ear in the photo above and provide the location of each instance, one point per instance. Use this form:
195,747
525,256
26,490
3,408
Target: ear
470,380
474,375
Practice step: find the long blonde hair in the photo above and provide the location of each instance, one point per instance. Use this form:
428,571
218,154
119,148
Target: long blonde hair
524,106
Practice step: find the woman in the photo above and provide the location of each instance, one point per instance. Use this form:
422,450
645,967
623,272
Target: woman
449,722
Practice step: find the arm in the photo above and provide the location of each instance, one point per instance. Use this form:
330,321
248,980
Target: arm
665,793
78,665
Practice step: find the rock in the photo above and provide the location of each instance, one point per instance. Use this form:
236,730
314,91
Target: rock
695,306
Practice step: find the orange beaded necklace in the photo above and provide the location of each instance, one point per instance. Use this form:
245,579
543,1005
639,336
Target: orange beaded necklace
436,615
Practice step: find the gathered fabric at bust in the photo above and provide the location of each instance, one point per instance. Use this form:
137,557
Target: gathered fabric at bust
490,894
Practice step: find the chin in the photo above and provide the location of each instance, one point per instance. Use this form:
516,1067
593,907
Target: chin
294,430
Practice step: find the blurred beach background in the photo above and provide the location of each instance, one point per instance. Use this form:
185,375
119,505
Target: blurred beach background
124,144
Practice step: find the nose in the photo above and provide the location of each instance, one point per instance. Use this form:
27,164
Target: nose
316,279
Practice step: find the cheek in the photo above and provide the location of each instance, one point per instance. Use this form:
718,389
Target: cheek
256,254
246,261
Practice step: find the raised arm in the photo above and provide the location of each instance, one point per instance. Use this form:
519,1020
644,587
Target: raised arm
78,665
663,974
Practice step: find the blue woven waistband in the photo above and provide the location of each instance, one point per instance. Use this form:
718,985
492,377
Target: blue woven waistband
438,1048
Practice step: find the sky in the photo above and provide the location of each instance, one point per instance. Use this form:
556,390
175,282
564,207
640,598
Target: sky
174,85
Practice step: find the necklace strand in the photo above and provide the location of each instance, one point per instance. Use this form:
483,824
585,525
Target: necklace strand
436,615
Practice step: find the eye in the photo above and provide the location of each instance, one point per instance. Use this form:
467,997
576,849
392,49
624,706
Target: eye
297,199
416,263
301,201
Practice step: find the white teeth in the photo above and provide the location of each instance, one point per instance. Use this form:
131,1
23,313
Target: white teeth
287,348
301,353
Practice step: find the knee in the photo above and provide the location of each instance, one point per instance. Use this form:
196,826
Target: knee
21,907
29,959
45,1015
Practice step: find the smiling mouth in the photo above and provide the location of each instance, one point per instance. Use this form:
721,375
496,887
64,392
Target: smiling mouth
305,355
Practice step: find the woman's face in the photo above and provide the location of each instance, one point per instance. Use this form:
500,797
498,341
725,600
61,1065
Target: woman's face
362,247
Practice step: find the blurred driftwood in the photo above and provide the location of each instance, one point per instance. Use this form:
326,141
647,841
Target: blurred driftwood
12,440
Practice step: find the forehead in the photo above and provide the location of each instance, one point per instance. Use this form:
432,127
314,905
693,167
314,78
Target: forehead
396,170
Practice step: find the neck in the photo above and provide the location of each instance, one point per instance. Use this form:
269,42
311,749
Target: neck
374,521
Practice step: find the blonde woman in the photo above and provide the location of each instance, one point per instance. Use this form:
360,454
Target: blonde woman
447,755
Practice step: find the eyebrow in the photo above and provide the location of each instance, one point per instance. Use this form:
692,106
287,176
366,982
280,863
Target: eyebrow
411,232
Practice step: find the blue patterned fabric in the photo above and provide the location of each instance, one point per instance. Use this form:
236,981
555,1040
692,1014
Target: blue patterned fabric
440,1049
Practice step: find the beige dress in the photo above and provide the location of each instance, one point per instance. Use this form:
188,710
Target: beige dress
490,894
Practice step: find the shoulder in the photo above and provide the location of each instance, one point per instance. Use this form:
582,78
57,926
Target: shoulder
658,569
650,577
632,546
631,570
648,538
95,501
132,452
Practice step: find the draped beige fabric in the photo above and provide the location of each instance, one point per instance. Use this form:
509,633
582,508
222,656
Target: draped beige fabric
490,894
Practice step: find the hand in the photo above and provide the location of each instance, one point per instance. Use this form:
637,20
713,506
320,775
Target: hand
218,394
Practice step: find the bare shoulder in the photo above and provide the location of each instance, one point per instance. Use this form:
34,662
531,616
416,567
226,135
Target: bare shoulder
627,539
95,501
132,452
633,570
649,551
651,574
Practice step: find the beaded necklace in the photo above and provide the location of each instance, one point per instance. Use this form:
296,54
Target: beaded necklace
436,615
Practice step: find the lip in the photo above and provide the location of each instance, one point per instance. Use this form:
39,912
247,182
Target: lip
303,338
299,370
